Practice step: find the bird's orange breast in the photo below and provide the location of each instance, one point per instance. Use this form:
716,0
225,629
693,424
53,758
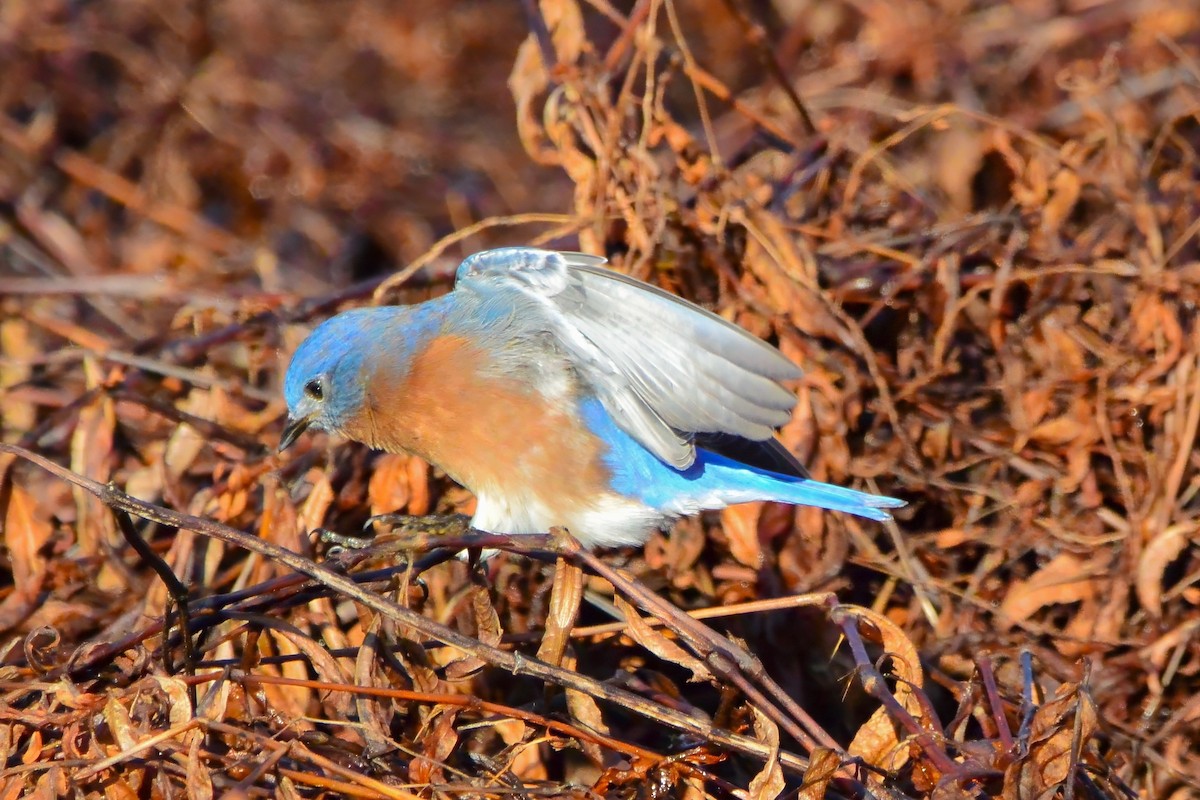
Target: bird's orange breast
489,432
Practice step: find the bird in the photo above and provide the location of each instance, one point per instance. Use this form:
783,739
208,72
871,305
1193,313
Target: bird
564,394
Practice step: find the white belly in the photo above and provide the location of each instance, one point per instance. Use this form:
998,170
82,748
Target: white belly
608,521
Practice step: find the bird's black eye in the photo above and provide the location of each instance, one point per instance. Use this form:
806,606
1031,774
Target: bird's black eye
314,389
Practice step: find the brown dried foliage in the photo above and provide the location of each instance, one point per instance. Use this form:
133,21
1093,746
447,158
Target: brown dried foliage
974,224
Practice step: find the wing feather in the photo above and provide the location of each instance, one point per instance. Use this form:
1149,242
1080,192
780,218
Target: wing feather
664,368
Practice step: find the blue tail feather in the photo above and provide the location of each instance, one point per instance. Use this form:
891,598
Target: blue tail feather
714,481
736,483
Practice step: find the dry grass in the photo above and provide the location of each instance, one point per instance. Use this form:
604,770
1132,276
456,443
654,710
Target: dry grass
975,226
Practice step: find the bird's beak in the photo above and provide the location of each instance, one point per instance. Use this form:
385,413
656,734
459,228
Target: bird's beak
292,431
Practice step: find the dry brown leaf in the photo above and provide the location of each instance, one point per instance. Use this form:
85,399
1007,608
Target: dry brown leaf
768,783
823,765
565,597
877,741
186,443
57,235
290,702
184,446
199,776
214,698
788,284
327,668
17,351
33,748
529,79
1053,736
279,521
388,489
1065,189
179,705
1036,403
585,712
91,454
316,505
1157,331
116,716
487,630
740,524
1059,431
1157,555
442,739
656,642
26,531
1058,581
1063,348
948,538
961,153
374,713
53,784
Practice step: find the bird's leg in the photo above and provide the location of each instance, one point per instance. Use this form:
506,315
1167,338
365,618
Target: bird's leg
430,524
477,559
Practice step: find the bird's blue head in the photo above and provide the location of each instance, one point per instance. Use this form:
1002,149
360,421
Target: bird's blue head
325,387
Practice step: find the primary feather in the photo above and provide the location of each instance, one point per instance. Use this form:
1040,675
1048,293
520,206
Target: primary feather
663,368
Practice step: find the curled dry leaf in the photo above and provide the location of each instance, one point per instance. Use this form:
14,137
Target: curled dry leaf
375,713
823,765
320,498
199,776
487,630
656,642
179,705
280,522
186,443
877,741
116,716
565,598
995,306
388,490
585,712
769,783
1061,729
26,531
740,524
1063,579
17,351
529,78
1158,554
91,452
437,745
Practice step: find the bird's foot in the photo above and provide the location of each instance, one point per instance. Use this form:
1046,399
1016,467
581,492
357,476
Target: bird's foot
343,541
417,533
430,524
397,533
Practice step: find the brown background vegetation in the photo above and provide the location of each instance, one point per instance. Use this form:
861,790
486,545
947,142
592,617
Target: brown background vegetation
973,224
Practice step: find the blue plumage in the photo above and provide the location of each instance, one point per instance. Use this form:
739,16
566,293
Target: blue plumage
714,481
562,393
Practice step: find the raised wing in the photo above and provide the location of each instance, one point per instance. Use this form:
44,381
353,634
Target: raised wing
665,369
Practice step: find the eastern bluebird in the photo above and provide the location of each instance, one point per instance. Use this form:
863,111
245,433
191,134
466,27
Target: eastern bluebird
564,394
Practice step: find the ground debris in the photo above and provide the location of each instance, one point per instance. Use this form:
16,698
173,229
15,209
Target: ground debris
974,225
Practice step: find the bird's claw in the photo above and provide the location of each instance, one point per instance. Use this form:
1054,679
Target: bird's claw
334,540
